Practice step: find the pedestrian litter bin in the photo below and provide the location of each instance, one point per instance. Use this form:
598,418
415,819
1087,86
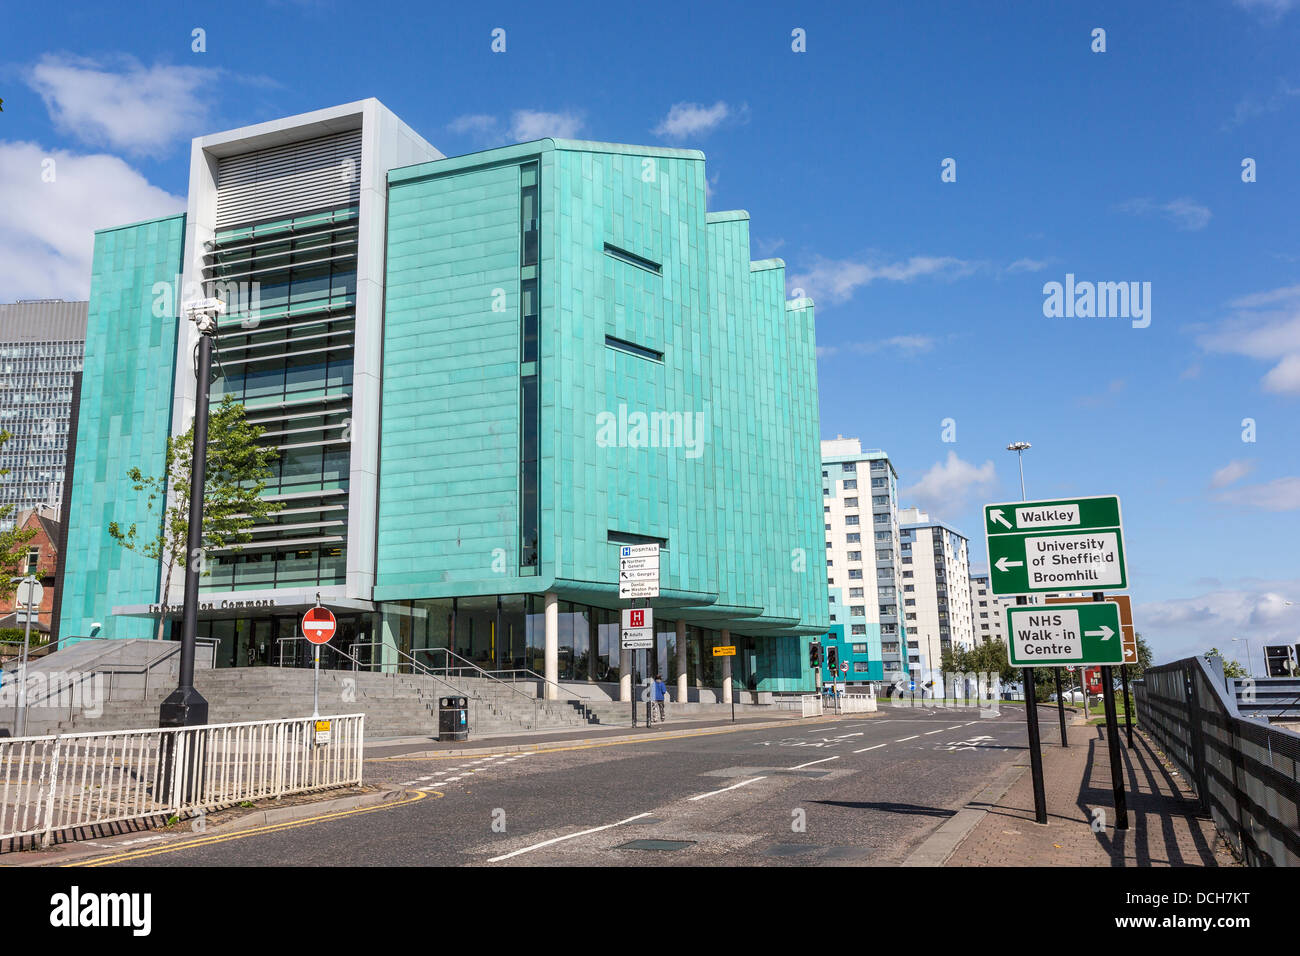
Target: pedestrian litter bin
453,718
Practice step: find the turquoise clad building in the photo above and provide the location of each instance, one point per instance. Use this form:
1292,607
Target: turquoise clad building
483,374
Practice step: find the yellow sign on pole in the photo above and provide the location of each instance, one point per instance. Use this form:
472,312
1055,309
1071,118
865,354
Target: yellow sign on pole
724,650
322,731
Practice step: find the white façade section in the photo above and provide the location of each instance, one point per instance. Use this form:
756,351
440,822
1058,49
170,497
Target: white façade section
387,143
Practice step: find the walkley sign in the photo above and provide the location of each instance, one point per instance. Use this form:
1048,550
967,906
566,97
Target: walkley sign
1069,544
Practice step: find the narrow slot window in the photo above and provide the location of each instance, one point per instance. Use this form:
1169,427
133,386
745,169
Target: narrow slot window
631,348
632,259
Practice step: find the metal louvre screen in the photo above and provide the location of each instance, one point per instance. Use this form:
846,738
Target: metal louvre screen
281,181
1246,773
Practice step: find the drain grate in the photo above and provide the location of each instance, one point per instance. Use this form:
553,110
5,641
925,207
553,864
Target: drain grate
661,845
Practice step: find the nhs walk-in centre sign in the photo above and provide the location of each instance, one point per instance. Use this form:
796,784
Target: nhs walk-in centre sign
1064,634
1070,544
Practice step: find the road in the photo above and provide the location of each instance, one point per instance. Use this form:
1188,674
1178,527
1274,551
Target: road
852,790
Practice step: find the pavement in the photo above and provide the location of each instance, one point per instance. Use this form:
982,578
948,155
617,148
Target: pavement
1165,824
834,791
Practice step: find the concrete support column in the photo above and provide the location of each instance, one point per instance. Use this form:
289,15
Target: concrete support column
625,675
682,658
552,653
726,670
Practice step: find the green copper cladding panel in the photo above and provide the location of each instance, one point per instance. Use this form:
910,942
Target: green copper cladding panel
449,454
626,436
678,394
124,420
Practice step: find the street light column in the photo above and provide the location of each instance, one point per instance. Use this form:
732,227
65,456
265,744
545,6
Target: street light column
185,706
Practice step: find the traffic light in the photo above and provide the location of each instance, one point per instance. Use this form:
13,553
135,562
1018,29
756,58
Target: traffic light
833,657
814,655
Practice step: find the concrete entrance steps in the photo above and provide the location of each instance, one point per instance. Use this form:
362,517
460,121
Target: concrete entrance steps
394,704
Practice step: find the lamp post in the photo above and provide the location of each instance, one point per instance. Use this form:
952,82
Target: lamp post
1020,447
1250,667
185,706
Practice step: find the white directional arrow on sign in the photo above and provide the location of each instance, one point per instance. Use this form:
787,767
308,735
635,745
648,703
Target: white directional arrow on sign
996,515
1103,632
1002,564
1129,651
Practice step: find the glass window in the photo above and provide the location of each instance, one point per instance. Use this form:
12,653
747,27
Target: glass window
476,630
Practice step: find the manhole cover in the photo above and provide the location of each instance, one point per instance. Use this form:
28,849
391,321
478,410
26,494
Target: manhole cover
655,845
790,849
847,853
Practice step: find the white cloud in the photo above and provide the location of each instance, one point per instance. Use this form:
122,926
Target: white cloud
835,280
524,126
1182,627
1269,9
1252,105
122,103
905,344
528,125
1231,473
473,123
47,228
1114,388
1027,265
692,119
1264,326
1280,494
947,487
1185,213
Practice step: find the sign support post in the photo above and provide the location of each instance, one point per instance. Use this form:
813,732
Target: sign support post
1060,706
318,626
638,579
29,592
1035,743
1112,739
1128,706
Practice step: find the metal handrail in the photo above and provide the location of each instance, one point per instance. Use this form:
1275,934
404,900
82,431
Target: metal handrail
533,675
470,665
426,672
283,640
110,669
422,670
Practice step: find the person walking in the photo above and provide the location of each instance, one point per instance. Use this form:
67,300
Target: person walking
661,695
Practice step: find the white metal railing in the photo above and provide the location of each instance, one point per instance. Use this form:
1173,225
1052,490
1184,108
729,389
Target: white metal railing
811,704
855,703
54,783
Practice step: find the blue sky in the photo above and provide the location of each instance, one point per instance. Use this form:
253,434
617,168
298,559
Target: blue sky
1123,165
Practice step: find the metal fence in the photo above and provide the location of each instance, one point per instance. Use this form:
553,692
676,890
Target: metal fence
56,783
1246,773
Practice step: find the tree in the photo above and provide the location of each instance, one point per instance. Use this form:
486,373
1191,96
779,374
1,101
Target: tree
237,472
1144,659
1230,668
13,542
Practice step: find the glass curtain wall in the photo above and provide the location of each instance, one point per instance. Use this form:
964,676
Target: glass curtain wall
284,350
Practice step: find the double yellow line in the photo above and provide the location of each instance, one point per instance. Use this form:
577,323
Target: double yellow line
414,797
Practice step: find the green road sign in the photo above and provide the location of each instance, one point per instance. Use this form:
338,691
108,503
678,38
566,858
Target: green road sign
1054,635
1068,544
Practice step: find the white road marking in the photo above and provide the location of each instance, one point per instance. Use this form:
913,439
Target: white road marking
865,749
811,762
538,846
958,727
929,732
901,739
743,783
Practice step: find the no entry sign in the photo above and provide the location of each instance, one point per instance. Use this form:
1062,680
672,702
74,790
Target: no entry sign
318,625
